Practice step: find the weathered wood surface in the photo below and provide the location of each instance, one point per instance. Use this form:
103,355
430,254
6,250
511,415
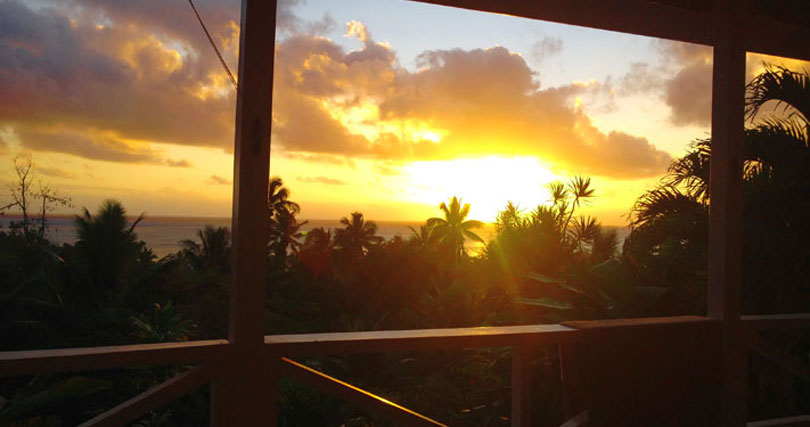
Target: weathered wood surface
243,387
777,321
725,207
521,386
92,358
653,19
416,340
580,420
797,421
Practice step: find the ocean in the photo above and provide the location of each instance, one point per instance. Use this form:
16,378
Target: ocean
163,234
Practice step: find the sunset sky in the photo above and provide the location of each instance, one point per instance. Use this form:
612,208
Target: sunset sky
387,107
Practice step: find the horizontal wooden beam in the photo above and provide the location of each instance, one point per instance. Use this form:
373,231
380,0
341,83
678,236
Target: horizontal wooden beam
797,421
578,421
638,17
14,363
771,37
416,340
151,399
651,19
363,399
777,321
640,322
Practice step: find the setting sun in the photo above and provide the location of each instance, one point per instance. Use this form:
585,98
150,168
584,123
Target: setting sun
486,183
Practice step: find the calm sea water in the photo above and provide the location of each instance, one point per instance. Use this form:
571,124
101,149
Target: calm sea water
162,234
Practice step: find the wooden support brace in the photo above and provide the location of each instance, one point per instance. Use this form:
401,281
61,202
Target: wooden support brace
151,399
363,399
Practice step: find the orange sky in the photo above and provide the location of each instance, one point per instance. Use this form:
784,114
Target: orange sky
126,100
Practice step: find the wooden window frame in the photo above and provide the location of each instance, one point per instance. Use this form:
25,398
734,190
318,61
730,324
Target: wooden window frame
243,370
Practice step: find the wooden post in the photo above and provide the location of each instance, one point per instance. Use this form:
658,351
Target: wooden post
242,390
725,210
574,397
521,385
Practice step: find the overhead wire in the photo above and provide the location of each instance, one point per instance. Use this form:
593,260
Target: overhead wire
214,45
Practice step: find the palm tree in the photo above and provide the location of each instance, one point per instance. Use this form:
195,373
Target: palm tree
163,323
213,250
284,227
669,223
285,234
107,246
316,252
357,237
278,198
453,230
509,218
422,238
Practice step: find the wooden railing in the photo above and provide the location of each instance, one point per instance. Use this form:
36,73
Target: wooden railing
279,351
210,356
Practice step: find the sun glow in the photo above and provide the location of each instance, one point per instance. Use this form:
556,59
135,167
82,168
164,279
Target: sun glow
487,184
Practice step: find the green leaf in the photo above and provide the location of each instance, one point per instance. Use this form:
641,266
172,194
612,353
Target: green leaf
73,387
610,271
545,302
542,278
651,293
551,281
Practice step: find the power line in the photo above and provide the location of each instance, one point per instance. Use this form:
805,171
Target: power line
211,40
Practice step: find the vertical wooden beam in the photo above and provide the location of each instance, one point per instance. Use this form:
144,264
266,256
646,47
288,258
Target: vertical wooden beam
725,210
242,389
574,396
521,385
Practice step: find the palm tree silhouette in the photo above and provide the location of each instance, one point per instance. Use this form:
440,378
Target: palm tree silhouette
107,247
358,235
213,249
285,234
278,198
422,238
316,252
284,227
669,223
453,230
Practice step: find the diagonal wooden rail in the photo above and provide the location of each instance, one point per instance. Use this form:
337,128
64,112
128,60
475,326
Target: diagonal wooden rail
152,399
362,398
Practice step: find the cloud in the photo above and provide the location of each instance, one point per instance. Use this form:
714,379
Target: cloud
118,68
182,163
546,47
640,78
111,80
55,172
331,159
683,79
688,95
457,103
218,180
320,180
288,22
96,146
688,90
